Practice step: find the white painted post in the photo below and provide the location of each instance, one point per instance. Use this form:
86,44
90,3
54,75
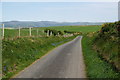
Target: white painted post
51,33
3,30
19,31
48,33
58,34
30,31
43,31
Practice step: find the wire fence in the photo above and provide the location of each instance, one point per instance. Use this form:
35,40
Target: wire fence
22,32
12,33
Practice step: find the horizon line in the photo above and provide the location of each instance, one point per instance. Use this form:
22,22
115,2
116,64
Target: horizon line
51,21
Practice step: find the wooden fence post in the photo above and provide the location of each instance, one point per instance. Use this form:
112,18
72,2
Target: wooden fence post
58,34
48,33
51,33
30,31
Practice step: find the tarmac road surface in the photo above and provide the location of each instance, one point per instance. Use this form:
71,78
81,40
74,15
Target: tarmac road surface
65,61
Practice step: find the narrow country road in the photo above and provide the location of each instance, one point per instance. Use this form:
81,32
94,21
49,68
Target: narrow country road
65,61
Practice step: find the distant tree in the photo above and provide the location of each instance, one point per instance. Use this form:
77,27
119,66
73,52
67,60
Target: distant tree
61,33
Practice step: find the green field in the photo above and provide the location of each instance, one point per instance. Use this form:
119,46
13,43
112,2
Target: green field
9,33
83,29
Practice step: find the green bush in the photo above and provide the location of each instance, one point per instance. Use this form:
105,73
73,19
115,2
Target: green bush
107,43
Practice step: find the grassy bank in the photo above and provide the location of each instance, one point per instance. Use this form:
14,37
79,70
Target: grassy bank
107,42
95,66
19,53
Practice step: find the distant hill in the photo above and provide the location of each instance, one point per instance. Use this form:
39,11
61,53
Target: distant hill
15,24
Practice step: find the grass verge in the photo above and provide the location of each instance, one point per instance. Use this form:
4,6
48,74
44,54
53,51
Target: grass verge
95,66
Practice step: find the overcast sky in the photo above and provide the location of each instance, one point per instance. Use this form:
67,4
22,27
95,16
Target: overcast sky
60,11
